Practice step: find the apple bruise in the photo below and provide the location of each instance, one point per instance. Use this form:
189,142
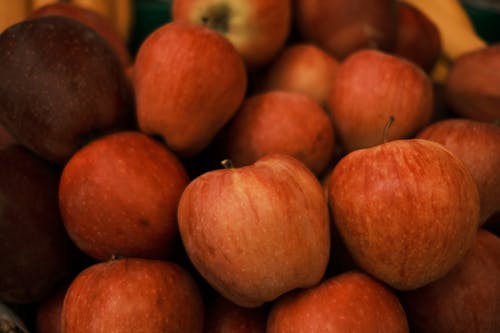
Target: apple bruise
217,18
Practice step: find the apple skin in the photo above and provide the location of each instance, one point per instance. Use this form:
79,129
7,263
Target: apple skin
477,145
118,195
472,86
409,215
349,302
342,27
62,85
189,81
280,122
258,29
101,24
417,38
303,68
466,300
257,231
133,295
36,252
369,88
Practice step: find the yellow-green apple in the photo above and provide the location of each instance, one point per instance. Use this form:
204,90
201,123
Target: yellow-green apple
418,38
280,122
341,27
61,86
118,196
466,300
303,68
472,86
349,302
36,252
256,232
189,81
407,210
257,29
372,87
477,144
133,295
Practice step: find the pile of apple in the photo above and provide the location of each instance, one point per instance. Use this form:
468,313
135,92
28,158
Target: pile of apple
259,166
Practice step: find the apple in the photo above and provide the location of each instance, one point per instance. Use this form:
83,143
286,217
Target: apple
133,295
280,122
10,322
258,29
342,27
256,232
466,299
223,316
49,310
472,86
118,196
5,138
417,39
348,302
36,252
189,81
477,144
407,210
303,68
62,85
372,87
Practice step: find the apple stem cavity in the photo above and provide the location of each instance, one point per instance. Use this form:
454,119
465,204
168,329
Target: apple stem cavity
217,18
386,129
227,164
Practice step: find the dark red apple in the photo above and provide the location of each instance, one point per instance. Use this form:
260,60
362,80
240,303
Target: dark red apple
189,81
256,232
61,86
349,302
49,310
466,300
372,87
280,122
118,196
133,295
477,144
407,210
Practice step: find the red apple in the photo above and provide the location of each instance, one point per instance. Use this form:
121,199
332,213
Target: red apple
48,312
189,81
101,24
257,231
118,196
349,302
407,210
417,38
477,144
472,86
303,68
133,295
258,29
280,122
5,138
343,26
371,88
467,299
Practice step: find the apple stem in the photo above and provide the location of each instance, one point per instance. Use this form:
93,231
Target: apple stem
387,127
116,257
227,163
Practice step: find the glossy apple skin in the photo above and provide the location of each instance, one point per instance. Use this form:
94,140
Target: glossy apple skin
61,86
472,87
133,295
342,27
409,214
36,252
118,196
189,81
349,302
280,122
369,88
417,38
303,68
466,299
258,231
258,29
477,144
101,24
